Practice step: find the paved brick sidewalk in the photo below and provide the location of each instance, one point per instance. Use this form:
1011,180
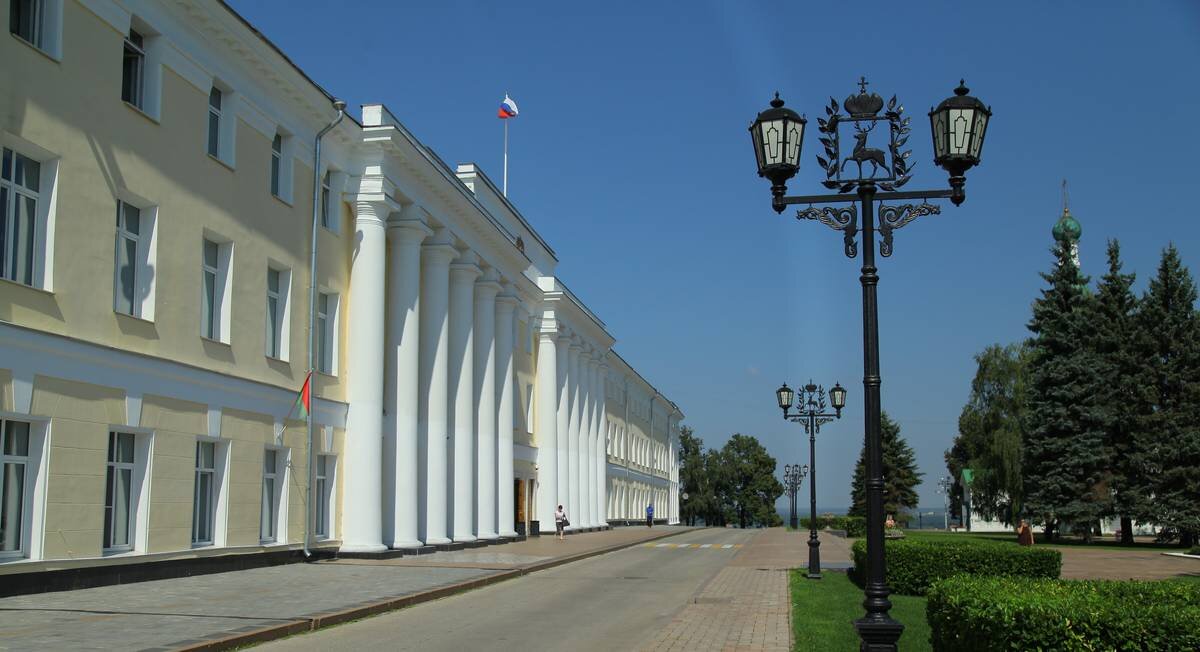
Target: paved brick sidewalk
747,605
210,610
1114,564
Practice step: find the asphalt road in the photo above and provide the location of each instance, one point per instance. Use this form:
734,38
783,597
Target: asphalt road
610,602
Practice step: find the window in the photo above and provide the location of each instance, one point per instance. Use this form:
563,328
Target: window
209,322
214,289
118,492
133,70
326,195
204,501
14,486
276,312
323,485
214,122
268,523
326,333
26,18
20,182
128,236
276,161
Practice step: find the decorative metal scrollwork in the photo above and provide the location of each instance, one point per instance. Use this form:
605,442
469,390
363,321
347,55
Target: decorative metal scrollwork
842,218
895,217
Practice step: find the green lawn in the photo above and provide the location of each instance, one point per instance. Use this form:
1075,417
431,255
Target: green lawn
823,611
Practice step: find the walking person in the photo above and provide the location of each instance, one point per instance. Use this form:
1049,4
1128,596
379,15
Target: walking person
560,522
650,515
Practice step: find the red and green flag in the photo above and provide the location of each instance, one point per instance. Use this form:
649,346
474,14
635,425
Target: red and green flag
303,404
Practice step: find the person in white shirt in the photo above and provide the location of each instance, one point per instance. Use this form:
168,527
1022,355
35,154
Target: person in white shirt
560,521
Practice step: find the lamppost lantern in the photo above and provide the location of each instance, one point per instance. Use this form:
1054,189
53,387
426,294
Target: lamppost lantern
786,397
837,397
959,124
777,135
804,471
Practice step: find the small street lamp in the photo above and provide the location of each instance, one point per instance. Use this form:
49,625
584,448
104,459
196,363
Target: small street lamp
944,485
793,475
810,411
959,125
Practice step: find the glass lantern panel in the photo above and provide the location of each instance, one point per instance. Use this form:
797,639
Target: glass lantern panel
795,137
960,130
772,142
938,121
981,120
756,140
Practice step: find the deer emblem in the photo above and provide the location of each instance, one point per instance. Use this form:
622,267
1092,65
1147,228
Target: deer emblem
862,154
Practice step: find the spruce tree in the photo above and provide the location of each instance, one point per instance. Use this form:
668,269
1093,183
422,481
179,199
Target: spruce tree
1120,369
900,475
1064,457
1169,458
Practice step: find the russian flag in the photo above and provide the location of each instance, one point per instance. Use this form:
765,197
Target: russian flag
508,108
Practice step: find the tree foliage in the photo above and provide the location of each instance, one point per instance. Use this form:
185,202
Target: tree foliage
900,475
1169,435
991,428
1065,455
751,488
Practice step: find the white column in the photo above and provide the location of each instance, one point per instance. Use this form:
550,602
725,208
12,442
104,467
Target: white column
401,451
602,445
462,396
563,425
485,400
434,376
585,429
591,435
547,425
574,388
362,517
506,514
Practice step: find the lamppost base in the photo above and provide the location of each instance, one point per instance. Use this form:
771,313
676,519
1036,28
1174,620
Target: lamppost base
878,634
814,576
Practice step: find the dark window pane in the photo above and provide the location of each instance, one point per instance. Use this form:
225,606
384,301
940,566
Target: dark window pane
12,505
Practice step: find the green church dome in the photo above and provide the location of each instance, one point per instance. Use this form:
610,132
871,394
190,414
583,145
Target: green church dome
1067,228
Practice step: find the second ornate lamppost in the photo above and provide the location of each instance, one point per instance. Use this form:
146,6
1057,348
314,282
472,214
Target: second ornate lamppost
810,411
793,476
959,125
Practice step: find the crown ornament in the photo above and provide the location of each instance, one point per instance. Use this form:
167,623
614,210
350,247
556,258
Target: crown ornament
863,105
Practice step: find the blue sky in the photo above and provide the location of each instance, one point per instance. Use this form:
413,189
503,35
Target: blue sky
631,157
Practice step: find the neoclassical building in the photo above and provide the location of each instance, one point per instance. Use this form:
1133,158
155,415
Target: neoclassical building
158,190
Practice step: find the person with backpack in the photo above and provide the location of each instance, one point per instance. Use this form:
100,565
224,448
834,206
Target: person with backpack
560,522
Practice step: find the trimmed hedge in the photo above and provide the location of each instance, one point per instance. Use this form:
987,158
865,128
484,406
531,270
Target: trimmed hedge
855,526
982,614
913,565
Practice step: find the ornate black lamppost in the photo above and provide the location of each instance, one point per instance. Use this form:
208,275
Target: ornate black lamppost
793,475
959,124
944,485
810,406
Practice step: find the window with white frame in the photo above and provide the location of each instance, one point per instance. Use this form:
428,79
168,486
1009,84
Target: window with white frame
129,235
119,505
222,123
215,98
20,186
272,489
133,69
276,162
15,482
322,488
327,305
39,23
327,213
214,289
204,502
278,313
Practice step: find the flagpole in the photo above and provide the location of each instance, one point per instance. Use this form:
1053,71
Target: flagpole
505,187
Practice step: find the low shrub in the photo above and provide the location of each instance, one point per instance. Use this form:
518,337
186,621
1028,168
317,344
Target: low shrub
854,526
913,565
1194,551
1003,613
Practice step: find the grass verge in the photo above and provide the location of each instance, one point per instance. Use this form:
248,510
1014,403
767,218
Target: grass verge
823,611
1103,543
